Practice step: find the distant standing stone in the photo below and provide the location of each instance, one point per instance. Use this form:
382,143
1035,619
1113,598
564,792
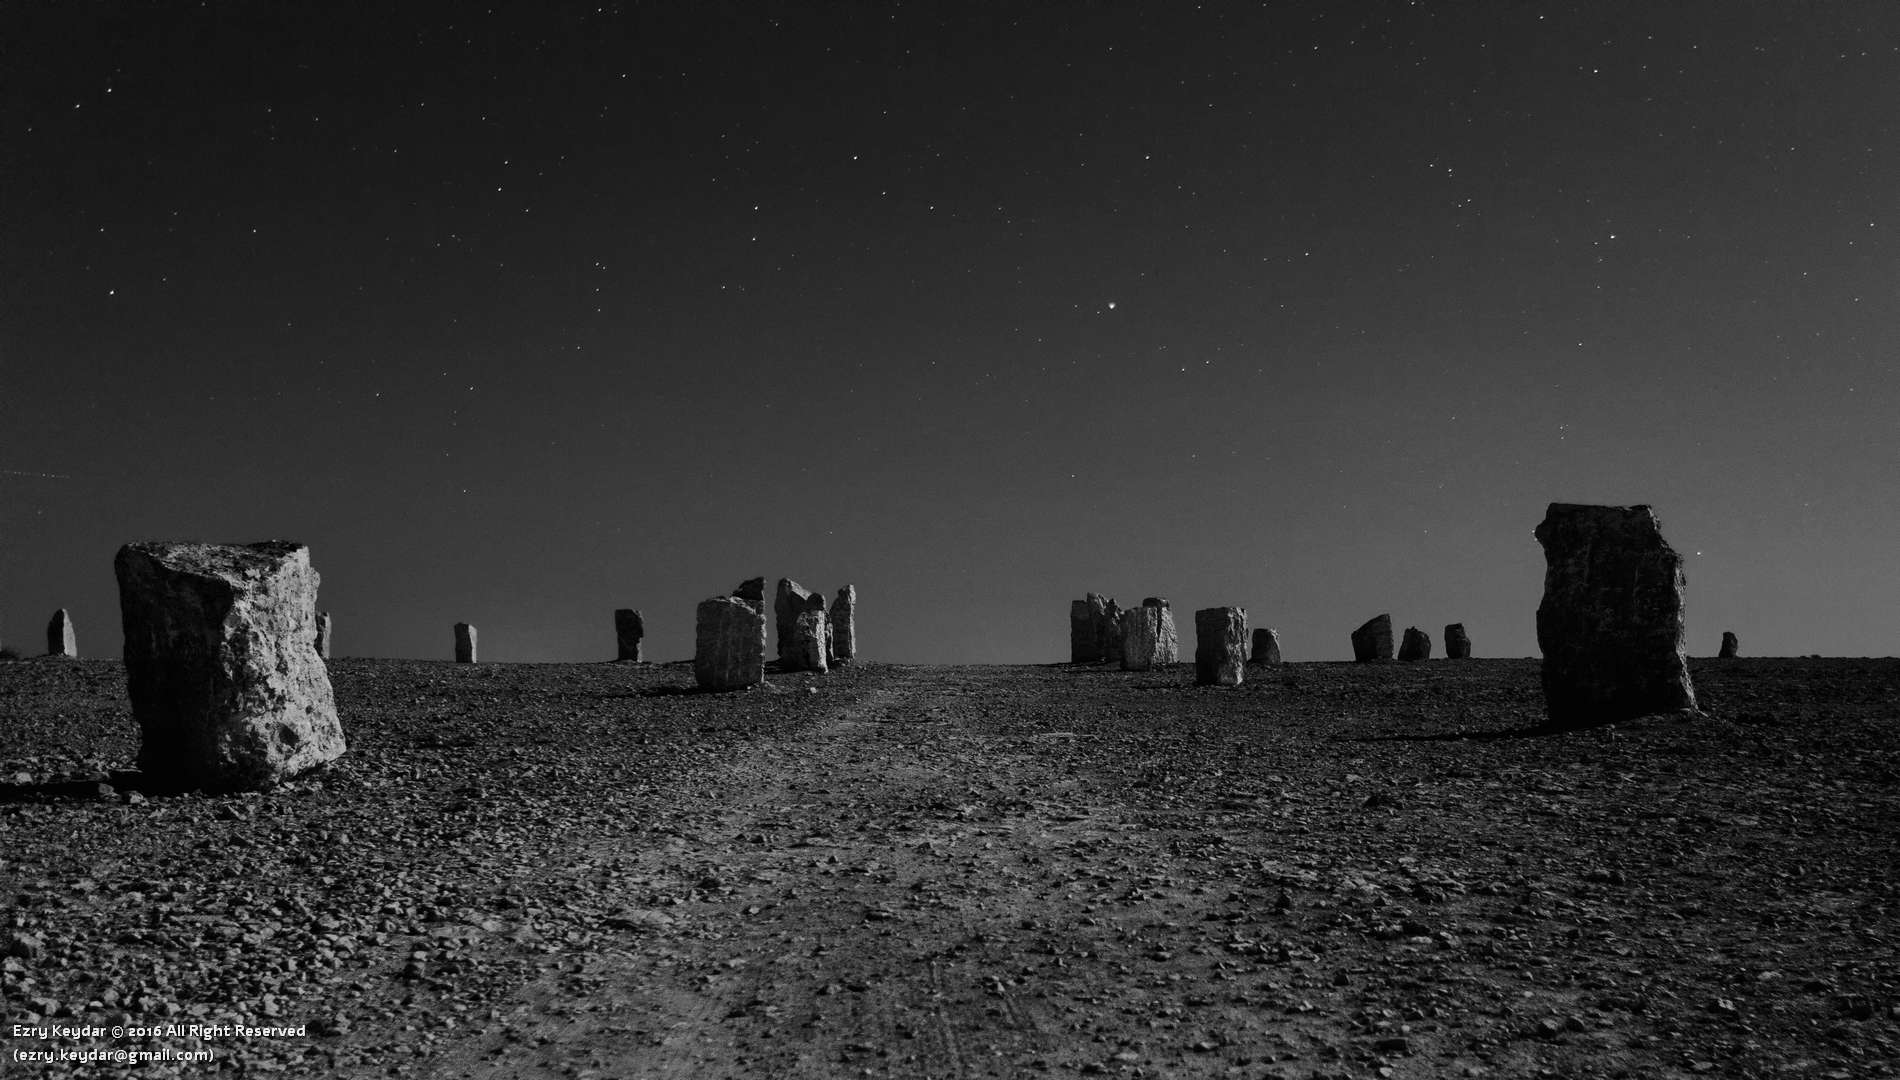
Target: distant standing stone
792,601
1085,641
60,638
810,632
729,644
1220,643
1416,646
1266,647
1141,638
629,628
1731,646
1373,641
1611,621
1111,632
1168,643
464,643
752,591
844,624
221,663
323,634
1457,643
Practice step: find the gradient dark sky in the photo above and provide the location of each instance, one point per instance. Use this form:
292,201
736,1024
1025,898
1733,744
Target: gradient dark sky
516,318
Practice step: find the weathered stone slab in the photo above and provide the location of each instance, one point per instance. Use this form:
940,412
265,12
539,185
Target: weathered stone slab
221,664
752,591
811,634
792,601
1141,638
1457,642
844,624
323,634
61,638
1611,621
729,643
1220,646
1111,631
1415,646
1266,647
1168,643
629,630
464,643
1373,641
1731,646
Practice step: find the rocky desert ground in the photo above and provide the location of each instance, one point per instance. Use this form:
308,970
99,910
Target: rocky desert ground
1333,870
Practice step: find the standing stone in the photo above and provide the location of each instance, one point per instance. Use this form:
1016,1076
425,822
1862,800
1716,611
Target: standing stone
792,601
1085,644
729,643
1457,643
323,634
844,624
810,631
1731,646
1611,621
1373,641
1112,632
1141,638
464,643
1416,646
1168,644
1220,643
752,591
1266,647
221,663
629,628
60,638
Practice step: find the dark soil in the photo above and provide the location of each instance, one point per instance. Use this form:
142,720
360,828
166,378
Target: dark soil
1333,870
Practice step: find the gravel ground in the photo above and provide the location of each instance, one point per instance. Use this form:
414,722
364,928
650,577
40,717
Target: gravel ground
1333,870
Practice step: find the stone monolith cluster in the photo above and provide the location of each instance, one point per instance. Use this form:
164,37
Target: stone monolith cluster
1457,642
1611,621
1220,646
729,643
61,638
792,601
464,643
1731,646
221,664
844,625
1373,641
323,634
1415,646
629,630
1265,648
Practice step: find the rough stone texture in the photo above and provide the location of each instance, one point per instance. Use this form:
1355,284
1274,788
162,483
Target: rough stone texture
464,643
1415,646
1112,632
61,640
729,643
1457,642
1168,646
1373,641
1220,646
1085,646
811,632
221,664
844,624
323,634
1141,638
792,601
629,629
752,591
1611,621
1266,647
1731,646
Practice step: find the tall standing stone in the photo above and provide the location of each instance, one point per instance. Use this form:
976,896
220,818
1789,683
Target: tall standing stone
1111,632
792,601
1611,621
1373,641
1457,642
844,624
1220,646
1085,643
1141,638
629,629
1167,642
1731,646
61,640
729,643
1266,647
464,643
810,635
752,591
323,634
1416,646
221,663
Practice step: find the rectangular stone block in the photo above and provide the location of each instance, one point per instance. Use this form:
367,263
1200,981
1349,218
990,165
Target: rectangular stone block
629,629
729,644
464,643
1220,644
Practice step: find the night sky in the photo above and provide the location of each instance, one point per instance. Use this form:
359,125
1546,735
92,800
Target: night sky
1311,308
